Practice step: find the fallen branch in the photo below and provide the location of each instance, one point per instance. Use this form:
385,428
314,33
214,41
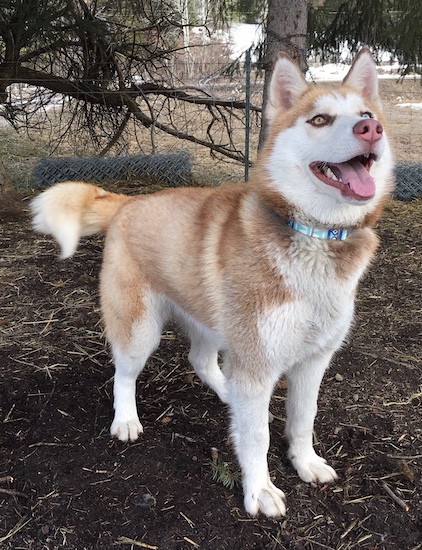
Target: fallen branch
396,499
404,457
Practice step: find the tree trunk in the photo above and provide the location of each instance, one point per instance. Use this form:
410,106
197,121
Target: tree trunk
5,184
10,202
286,30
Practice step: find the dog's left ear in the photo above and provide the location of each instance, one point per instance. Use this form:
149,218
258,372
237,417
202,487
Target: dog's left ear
363,75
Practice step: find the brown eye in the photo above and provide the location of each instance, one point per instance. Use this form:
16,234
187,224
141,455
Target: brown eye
320,120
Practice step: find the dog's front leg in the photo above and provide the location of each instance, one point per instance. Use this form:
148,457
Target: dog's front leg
303,387
251,437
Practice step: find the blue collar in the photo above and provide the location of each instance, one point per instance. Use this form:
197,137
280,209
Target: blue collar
327,234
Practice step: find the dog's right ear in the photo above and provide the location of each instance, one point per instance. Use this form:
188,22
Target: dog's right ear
287,85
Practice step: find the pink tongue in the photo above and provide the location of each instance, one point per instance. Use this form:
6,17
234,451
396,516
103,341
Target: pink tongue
357,176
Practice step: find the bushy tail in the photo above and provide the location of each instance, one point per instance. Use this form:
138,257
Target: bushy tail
71,210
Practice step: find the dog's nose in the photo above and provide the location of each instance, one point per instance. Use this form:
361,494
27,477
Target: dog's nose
368,129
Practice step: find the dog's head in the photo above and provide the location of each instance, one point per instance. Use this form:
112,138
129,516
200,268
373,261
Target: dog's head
327,151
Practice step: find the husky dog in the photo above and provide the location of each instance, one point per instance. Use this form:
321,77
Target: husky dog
264,273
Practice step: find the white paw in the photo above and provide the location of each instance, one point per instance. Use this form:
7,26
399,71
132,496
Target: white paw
314,469
127,429
269,500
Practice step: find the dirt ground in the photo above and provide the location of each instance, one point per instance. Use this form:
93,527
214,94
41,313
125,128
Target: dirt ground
64,483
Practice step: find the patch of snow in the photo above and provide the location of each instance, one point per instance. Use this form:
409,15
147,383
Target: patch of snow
242,37
328,72
415,106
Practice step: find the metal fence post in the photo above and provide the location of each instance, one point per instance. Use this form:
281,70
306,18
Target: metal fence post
247,111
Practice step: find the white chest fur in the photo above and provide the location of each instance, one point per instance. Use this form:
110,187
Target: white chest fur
318,316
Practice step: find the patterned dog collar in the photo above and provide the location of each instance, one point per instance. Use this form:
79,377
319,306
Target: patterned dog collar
327,234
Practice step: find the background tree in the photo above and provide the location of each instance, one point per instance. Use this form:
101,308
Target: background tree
393,26
326,27
114,62
285,30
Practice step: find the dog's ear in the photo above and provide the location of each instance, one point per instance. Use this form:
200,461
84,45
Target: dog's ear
286,86
363,75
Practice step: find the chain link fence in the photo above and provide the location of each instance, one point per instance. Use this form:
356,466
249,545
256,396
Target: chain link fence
172,170
408,181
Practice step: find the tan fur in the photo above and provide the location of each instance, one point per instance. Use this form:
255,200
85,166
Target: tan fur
357,250
186,262
226,265
95,206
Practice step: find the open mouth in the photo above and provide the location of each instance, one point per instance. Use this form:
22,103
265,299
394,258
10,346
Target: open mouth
351,177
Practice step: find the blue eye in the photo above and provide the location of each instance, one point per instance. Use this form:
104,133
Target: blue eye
367,115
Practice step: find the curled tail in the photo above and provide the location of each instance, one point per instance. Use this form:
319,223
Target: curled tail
71,210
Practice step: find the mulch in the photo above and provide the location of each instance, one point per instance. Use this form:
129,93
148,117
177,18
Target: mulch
64,483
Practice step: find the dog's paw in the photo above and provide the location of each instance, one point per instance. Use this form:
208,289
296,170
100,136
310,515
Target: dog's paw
268,500
127,429
314,470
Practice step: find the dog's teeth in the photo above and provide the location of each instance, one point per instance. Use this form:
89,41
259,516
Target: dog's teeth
330,174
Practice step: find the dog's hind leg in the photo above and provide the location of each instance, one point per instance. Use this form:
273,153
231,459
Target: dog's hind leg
203,356
250,432
126,425
303,387
130,359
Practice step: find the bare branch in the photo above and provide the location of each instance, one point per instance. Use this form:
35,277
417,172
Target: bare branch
91,94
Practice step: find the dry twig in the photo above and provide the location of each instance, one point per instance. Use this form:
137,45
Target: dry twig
396,499
126,540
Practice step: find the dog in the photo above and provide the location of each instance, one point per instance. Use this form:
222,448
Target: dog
263,272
